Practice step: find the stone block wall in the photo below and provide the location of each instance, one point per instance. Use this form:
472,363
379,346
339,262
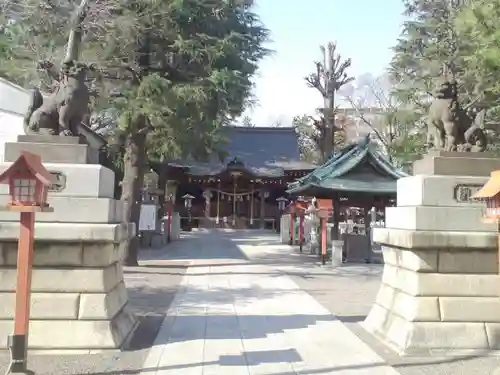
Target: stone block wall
285,228
79,301
176,227
438,300
76,287
440,286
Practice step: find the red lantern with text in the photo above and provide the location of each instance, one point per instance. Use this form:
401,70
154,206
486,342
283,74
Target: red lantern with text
28,182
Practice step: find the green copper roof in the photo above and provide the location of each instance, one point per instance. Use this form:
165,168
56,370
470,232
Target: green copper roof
358,167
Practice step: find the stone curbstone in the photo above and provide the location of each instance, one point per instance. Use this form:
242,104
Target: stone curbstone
102,305
43,305
68,280
470,309
408,239
435,284
75,334
468,261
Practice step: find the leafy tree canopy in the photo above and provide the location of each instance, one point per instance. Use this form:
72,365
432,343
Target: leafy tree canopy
185,64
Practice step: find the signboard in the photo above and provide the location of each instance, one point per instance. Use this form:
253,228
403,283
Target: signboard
324,204
60,183
147,219
463,193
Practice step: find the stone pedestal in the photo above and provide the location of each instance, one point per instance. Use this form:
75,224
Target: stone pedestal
440,286
285,228
176,227
79,300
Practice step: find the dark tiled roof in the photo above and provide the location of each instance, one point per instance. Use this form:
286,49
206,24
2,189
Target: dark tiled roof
359,167
263,151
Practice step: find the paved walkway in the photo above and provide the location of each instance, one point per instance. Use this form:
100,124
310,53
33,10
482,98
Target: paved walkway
236,316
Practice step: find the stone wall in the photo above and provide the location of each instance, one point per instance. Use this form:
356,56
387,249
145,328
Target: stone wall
77,288
443,299
285,228
79,300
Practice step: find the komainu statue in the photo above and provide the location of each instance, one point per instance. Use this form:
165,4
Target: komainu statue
449,126
63,112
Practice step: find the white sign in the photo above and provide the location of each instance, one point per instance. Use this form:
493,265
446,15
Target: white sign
147,220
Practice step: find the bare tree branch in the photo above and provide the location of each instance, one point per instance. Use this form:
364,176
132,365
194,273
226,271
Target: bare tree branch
363,118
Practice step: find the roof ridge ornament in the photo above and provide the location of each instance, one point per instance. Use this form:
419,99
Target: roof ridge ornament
236,161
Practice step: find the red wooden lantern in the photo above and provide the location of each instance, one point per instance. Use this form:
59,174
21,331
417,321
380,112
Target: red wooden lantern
28,182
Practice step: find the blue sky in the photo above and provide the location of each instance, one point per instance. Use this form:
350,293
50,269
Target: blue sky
363,29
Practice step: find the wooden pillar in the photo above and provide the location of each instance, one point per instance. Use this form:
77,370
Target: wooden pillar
301,231
162,186
263,196
19,341
292,228
336,217
251,205
218,204
368,232
234,201
323,239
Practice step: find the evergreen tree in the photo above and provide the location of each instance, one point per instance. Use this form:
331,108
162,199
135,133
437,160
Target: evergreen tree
477,22
175,71
428,47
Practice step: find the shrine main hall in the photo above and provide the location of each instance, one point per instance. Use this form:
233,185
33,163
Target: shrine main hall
243,190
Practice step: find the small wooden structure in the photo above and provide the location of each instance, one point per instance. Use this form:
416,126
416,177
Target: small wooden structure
28,182
490,194
357,176
300,207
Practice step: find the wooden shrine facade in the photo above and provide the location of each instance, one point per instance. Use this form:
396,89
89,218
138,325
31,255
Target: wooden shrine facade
241,192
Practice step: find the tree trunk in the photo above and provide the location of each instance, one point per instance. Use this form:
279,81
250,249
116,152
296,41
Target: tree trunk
76,34
134,165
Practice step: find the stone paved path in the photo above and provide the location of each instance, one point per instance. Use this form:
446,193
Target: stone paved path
236,316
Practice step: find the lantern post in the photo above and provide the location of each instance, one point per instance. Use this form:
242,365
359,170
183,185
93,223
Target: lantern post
301,210
281,201
490,194
169,198
188,203
292,223
323,216
324,212
28,182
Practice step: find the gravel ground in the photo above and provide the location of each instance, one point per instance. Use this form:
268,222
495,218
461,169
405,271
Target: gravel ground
151,289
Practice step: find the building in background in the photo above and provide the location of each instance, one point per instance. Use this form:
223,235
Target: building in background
241,190
14,102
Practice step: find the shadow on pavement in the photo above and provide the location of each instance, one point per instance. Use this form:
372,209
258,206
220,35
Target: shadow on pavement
255,358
